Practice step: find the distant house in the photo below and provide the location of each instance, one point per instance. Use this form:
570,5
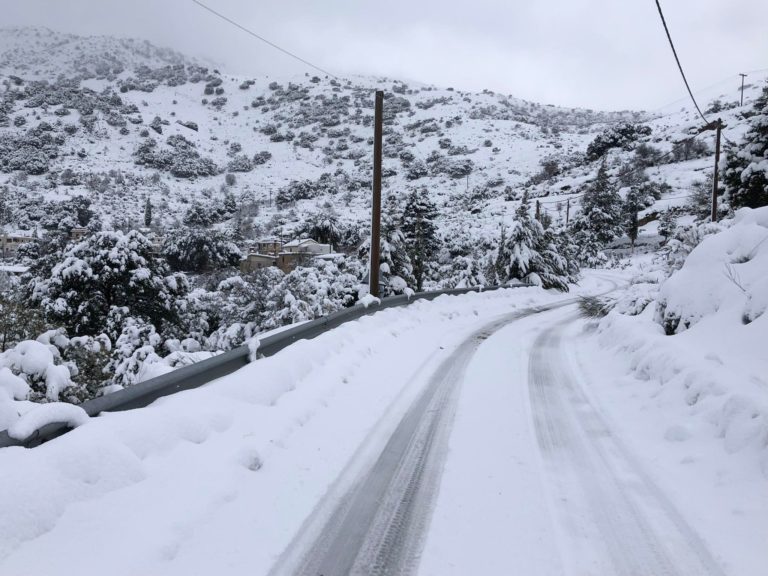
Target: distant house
254,262
271,252
270,245
77,234
306,246
12,241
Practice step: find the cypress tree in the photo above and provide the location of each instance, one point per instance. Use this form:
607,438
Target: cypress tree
420,234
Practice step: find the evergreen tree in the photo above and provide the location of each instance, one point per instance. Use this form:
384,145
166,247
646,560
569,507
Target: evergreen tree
533,252
106,273
667,224
198,250
502,260
600,220
148,213
700,199
395,269
420,234
746,172
633,203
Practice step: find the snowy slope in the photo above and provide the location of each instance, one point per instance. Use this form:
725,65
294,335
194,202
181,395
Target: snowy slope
311,127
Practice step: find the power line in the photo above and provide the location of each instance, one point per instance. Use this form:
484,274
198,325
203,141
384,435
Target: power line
680,67
252,33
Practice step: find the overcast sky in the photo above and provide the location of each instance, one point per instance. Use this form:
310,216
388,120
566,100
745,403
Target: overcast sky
589,53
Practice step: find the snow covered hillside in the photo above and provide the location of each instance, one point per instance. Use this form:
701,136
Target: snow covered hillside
123,120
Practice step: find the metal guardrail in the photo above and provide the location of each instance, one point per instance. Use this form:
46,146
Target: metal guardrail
199,373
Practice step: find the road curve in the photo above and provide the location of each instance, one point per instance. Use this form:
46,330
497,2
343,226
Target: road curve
379,525
604,501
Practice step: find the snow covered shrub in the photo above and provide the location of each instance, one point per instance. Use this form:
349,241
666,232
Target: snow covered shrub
594,307
105,271
199,250
308,293
40,367
624,135
238,307
134,351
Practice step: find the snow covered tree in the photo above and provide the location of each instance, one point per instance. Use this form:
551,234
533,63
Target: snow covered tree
148,213
463,272
746,172
105,271
134,350
599,221
420,232
396,270
700,199
198,250
308,293
323,225
667,224
533,252
633,203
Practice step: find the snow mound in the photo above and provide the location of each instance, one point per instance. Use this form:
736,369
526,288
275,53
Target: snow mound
701,348
45,414
727,273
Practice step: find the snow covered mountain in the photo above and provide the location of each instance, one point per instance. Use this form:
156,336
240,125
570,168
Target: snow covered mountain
119,121
122,120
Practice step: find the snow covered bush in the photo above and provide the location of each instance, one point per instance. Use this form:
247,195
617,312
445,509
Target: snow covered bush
199,250
308,293
38,372
624,135
106,271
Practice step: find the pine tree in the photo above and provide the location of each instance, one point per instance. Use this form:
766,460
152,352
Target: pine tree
667,224
633,203
148,213
395,268
599,221
420,234
534,256
746,172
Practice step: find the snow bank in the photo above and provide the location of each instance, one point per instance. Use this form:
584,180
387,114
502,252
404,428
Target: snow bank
714,362
727,274
45,414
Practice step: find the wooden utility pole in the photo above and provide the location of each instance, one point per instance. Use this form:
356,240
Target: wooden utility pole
378,121
742,88
567,211
718,125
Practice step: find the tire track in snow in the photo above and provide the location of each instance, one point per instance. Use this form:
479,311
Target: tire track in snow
614,519
378,528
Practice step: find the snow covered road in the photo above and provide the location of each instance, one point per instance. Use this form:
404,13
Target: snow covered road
377,528
453,437
613,518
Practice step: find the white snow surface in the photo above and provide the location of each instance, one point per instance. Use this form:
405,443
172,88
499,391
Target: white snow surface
45,414
219,479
